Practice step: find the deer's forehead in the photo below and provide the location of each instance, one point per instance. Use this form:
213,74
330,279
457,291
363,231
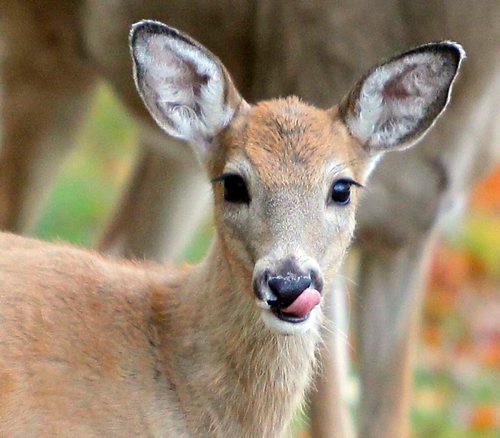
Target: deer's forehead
286,138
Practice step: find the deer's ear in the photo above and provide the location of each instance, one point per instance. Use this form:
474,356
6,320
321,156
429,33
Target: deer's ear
395,103
185,87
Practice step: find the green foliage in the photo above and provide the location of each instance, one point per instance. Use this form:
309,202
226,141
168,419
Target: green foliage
89,185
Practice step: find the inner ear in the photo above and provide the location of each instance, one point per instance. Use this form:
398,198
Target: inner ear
184,86
395,103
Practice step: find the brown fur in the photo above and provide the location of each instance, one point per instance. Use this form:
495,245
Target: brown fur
285,136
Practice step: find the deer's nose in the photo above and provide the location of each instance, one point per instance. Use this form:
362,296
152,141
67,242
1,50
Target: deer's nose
286,289
280,283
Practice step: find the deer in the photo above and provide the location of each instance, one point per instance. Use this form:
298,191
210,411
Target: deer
53,53
95,346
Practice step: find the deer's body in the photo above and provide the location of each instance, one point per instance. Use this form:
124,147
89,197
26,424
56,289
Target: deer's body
91,346
97,347
69,356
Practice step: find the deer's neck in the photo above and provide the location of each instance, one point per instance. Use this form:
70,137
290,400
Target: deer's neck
232,375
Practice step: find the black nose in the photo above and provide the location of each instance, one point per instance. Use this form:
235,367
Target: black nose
287,289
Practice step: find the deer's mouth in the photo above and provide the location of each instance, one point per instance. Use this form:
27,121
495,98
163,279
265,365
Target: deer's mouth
289,317
287,323
298,310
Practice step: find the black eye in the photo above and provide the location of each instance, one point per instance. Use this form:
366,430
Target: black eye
341,191
235,189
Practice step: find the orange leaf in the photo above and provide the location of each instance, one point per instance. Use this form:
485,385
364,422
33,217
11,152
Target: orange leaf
484,418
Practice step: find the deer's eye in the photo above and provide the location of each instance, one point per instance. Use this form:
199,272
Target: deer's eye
341,192
235,189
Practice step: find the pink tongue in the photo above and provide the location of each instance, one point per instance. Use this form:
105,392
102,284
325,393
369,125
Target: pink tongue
304,303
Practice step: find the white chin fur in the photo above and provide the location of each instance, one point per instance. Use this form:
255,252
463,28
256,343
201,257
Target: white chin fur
281,327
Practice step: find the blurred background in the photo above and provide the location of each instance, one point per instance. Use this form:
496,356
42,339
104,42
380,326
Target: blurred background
457,379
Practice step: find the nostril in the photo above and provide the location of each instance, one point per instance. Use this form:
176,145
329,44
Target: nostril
287,289
317,280
259,283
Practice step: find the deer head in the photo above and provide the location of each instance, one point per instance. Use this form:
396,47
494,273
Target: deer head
287,176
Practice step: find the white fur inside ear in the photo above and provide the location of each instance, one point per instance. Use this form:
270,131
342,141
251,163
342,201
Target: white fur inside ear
398,99
182,86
